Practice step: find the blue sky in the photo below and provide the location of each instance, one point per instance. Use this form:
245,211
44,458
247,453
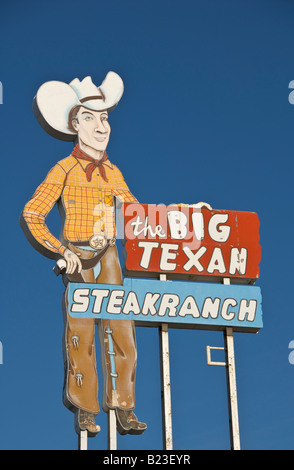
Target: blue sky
205,117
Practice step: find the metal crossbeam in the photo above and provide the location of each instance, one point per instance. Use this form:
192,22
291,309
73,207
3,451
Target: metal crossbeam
208,355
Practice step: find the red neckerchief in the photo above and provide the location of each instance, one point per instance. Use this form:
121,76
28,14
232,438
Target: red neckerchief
78,153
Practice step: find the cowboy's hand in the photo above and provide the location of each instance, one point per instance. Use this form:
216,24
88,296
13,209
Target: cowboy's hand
199,205
72,262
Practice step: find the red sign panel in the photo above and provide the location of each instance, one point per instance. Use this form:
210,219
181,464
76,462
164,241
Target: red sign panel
183,241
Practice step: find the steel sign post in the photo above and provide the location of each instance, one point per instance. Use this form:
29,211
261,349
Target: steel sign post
165,387
83,440
165,384
231,385
232,389
111,430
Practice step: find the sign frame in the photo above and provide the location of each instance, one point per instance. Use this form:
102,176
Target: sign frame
211,245
215,306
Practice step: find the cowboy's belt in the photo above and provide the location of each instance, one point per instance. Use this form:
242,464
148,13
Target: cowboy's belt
90,258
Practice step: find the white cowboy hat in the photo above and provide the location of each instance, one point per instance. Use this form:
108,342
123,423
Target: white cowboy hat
54,100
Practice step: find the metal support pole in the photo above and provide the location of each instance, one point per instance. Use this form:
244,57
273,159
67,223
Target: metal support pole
83,440
165,388
111,432
232,389
232,385
165,384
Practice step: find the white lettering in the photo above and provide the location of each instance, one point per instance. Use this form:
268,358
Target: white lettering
219,233
198,225
216,262
114,460
136,225
164,305
166,255
130,211
100,294
131,304
194,258
189,307
169,302
224,311
148,305
291,355
115,299
81,300
148,247
158,231
247,309
177,224
210,307
238,261
291,95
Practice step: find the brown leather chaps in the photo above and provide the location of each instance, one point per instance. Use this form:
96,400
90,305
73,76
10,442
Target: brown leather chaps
117,345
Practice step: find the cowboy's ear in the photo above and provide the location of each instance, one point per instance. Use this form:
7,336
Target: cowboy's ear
74,124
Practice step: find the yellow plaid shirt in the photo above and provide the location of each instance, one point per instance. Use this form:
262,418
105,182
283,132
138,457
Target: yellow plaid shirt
88,206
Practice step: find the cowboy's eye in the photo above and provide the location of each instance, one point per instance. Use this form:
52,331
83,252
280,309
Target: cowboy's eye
87,117
104,117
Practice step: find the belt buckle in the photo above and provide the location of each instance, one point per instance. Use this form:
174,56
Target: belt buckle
98,242
112,241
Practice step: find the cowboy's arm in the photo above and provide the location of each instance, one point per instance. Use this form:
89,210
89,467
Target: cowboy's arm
33,217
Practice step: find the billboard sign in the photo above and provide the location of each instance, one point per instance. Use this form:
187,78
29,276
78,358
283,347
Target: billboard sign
191,305
195,244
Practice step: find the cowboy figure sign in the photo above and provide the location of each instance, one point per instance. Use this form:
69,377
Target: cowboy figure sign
84,186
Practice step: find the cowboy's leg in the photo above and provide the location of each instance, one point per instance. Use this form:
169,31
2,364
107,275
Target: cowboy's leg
81,384
118,345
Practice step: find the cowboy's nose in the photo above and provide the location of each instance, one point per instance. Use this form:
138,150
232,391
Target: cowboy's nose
99,126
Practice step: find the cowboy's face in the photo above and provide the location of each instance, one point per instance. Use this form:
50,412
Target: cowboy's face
93,128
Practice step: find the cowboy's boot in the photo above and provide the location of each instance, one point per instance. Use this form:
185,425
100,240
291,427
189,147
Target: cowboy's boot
128,423
85,421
